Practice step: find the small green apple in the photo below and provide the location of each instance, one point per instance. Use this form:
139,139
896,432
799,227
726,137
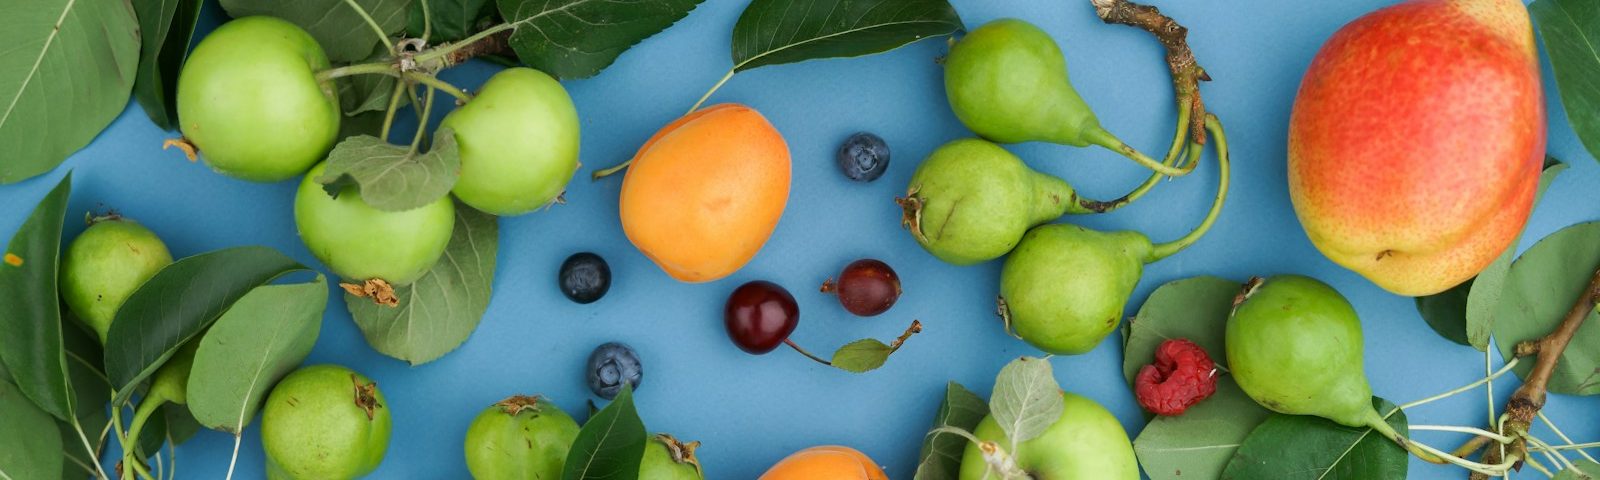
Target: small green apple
1086,443
518,140
360,243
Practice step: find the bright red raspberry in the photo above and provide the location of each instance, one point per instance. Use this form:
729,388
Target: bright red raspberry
1182,376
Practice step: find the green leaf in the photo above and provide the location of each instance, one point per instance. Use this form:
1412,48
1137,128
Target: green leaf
178,303
1581,470
181,424
32,346
940,458
452,19
772,32
80,460
166,27
1542,286
368,93
1199,443
1290,447
85,370
862,355
1193,308
153,435
610,445
364,123
262,337
439,311
30,443
1489,286
391,177
65,72
341,31
578,38
1446,312
1570,30
1026,400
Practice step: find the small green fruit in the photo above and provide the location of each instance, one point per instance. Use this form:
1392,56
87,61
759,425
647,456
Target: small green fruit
1064,288
249,100
105,265
359,242
518,140
665,458
171,382
522,437
1294,345
324,422
1085,443
971,201
1007,81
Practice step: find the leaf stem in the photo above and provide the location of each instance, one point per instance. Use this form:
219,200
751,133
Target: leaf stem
234,460
358,69
1541,446
382,35
803,351
1485,380
1450,428
1165,250
434,82
1563,436
94,454
713,89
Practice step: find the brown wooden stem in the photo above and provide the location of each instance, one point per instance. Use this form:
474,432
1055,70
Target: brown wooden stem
497,44
1186,71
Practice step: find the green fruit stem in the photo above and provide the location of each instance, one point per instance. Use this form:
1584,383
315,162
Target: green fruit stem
375,68
1100,136
1165,250
382,35
1425,452
1179,146
435,82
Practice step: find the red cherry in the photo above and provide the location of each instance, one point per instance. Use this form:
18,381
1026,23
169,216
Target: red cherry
760,315
866,287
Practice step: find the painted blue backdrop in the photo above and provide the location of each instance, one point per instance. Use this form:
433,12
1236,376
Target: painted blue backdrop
751,411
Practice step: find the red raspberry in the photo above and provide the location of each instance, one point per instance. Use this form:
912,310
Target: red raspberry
1182,376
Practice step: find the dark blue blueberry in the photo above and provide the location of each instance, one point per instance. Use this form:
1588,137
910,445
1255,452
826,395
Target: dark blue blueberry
610,365
863,157
584,277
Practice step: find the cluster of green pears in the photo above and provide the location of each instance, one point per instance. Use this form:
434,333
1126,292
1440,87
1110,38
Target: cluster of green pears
1063,287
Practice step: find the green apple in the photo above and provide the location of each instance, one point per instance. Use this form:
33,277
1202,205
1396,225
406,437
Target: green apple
1086,443
105,265
521,437
249,100
518,140
360,243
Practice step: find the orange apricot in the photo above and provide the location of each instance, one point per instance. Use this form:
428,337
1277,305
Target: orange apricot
703,194
828,462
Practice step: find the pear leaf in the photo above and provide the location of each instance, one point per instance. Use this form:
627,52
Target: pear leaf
1295,447
1540,289
1570,30
772,32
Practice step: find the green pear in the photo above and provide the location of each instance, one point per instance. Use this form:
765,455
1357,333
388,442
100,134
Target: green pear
521,437
1085,443
105,265
666,458
1063,289
971,201
1007,81
324,422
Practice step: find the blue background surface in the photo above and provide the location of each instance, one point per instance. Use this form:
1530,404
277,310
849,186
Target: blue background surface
751,411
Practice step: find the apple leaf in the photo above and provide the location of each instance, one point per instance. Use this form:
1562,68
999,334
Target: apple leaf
1026,400
1199,443
341,31
940,458
452,19
166,26
1570,30
439,311
391,177
578,38
32,346
65,73
1294,447
1192,308
772,32
261,338
368,93
1540,289
610,445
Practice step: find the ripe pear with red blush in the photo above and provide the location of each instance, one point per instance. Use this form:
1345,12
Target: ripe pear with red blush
1416,141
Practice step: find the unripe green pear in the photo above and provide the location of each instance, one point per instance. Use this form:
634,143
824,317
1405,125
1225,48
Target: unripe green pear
971,201
1007,81
521,437
324,422
105,265
1294,345
171,381
665,458
1085,443
1063,289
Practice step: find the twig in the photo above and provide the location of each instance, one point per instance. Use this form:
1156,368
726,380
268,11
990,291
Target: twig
1186,71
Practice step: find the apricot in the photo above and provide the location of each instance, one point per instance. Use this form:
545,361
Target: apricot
828,462
703,194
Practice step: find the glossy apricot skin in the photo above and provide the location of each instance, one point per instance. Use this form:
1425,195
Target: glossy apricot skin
827,462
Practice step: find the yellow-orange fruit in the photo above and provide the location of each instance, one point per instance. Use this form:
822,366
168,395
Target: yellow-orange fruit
704,193
828,462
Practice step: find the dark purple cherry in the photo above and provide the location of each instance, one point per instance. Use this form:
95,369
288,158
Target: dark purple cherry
759,316
866,287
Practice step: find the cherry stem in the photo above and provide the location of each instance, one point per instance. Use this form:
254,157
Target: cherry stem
1221,140
803,351
829,287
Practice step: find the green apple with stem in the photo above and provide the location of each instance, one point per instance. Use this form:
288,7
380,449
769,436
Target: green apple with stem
518,139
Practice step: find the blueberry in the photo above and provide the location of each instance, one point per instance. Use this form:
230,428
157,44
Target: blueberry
609,366
584,277
863,157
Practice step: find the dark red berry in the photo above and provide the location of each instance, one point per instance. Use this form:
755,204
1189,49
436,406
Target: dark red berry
866,287
759,316
1182,376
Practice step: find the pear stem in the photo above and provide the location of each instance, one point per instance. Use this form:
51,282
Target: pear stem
1178,143
1100,137
1186,71
1168,249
